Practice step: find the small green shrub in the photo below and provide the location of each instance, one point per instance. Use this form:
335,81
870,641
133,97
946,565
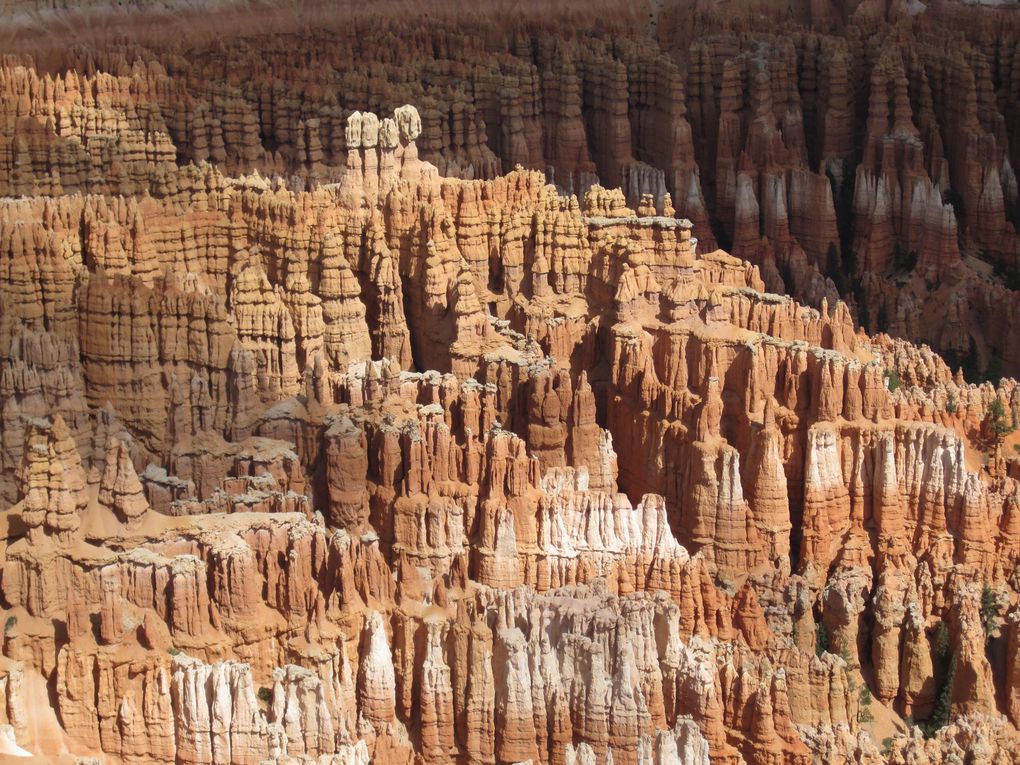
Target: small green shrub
989,611
821,639
999,425
892,379
943,704
866,697
844,652
11,623
942,641
265,695
864,714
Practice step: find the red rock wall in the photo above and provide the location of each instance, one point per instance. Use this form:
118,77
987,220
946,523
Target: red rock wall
311,450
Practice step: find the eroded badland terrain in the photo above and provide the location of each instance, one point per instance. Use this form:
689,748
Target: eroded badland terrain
498,383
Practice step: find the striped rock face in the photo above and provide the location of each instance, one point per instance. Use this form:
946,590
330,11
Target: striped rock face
374,389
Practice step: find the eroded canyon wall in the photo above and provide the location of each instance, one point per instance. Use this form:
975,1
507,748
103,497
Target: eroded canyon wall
862,151
313,452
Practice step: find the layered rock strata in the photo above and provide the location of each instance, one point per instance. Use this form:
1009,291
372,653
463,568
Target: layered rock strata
867,154
393,466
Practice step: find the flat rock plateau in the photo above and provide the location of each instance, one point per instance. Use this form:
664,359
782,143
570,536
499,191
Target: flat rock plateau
495,383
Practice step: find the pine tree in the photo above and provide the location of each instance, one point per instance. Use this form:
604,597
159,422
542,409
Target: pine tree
943,704
989,610
995,417
821,639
